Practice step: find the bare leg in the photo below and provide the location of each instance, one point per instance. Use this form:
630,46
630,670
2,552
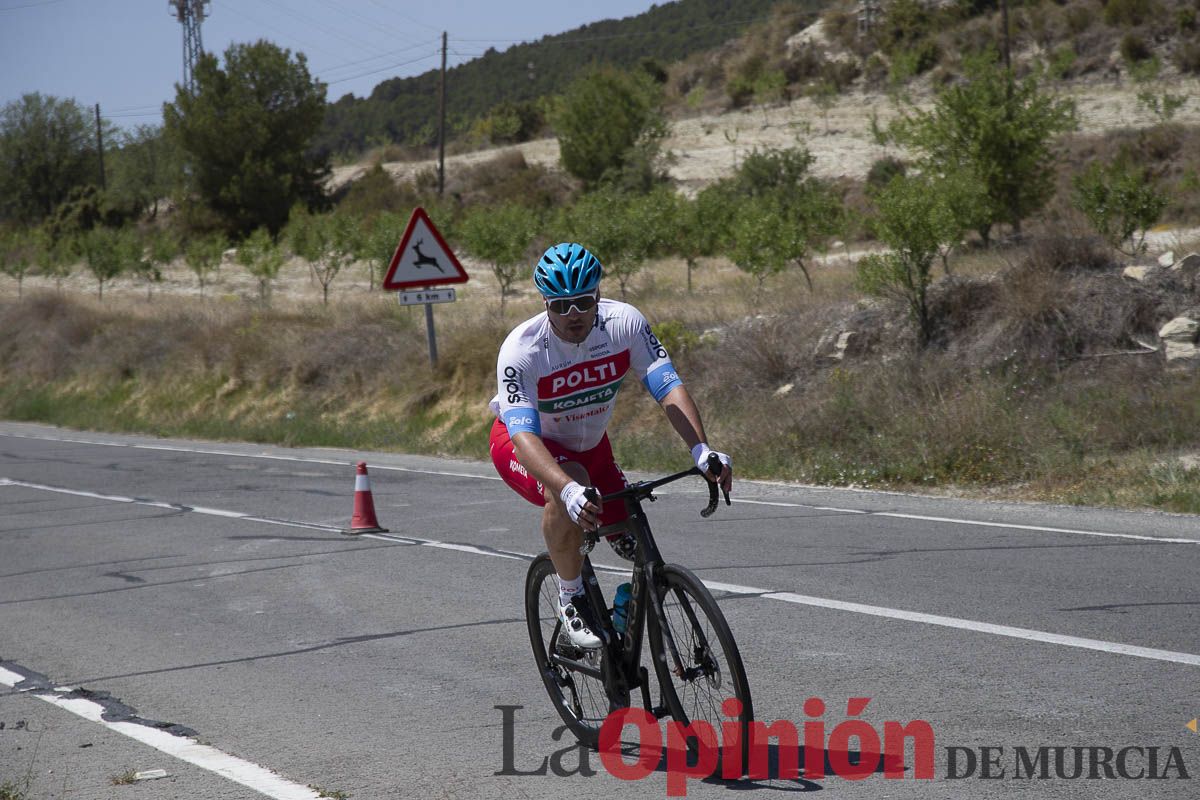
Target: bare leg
563,537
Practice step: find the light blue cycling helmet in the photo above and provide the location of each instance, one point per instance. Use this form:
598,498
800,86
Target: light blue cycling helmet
566,270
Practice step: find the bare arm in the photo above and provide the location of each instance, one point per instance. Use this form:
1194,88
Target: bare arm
685,419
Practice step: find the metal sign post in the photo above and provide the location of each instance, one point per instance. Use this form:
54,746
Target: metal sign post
424,259
431,335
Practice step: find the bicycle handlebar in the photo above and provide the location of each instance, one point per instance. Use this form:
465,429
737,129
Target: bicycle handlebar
644,489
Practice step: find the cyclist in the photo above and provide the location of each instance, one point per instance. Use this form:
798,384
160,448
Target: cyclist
558,375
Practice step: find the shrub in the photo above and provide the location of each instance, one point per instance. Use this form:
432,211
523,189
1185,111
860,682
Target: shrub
914,61
1185,19
1079,17
1060,252
1187,57
1134,48
1120,201
883,170
1129,12
841,27
1061,61
377,191
875,70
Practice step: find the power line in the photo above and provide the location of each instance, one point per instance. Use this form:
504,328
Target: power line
307,45
427,43
383,69
29,5
613,36
325,28
404,16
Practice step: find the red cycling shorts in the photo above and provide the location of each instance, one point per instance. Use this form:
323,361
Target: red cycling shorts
601,467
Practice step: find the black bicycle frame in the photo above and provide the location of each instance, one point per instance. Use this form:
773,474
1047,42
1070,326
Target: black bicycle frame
624,652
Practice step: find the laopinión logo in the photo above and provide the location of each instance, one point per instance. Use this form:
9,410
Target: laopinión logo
853,750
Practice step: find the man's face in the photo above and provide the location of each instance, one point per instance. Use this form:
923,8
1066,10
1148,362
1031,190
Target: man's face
573,317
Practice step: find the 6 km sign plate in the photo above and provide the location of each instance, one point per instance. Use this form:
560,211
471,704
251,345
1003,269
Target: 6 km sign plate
428,296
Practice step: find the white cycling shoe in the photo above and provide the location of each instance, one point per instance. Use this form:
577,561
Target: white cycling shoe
577,622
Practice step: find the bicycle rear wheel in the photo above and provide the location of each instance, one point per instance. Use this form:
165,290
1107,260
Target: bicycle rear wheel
572,676
701,667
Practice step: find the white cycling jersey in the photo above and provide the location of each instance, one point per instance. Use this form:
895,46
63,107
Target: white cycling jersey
564,391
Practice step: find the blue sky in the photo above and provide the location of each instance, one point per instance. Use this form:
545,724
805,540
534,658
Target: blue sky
127,55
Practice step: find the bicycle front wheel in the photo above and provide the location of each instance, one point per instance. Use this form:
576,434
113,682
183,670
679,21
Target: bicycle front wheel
572,675
700,667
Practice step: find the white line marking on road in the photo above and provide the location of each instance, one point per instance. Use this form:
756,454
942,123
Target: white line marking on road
185,748
232,454
787,597
987,627
980,523
780,504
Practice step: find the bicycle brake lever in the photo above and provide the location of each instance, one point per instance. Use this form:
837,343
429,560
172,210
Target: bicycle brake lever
590,538
714,467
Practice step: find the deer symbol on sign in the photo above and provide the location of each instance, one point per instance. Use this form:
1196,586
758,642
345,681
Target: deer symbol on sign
424,260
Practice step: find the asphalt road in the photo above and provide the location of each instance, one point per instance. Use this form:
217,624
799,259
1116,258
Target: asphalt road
148,582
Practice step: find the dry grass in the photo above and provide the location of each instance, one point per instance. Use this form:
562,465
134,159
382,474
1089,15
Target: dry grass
1012,400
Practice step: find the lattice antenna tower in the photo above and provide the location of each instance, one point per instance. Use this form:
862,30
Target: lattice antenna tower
190,14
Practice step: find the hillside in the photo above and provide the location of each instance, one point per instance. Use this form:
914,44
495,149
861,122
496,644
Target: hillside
401,110
706,147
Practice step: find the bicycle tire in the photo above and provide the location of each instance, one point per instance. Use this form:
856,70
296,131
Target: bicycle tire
710,677
579,699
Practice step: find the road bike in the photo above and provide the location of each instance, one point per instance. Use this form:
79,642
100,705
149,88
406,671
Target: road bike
695,658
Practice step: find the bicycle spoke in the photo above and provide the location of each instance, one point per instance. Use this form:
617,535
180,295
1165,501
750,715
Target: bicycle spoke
708,670
580,697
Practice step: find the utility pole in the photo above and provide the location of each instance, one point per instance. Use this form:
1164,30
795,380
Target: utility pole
1004,15
430,331
100,148
190,14
442,123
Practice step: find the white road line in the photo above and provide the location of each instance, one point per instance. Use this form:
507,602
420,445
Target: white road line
781,504
185,748
980,523
769,594
232,454
987,627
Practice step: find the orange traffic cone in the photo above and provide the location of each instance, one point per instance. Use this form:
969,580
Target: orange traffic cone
364,520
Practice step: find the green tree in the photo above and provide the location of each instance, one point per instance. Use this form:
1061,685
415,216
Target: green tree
203,254
760,240
110,252
697,227
143,267
603,119
245,136
263,258
17,255
647,220
911,221
46,150
162,247
501,235
799,212
622,229
144,170
325,241
1121,201
997,127
597,222
378,242
55,256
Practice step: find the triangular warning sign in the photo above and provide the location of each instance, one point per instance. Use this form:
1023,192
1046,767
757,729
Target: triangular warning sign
1191,726
423,257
